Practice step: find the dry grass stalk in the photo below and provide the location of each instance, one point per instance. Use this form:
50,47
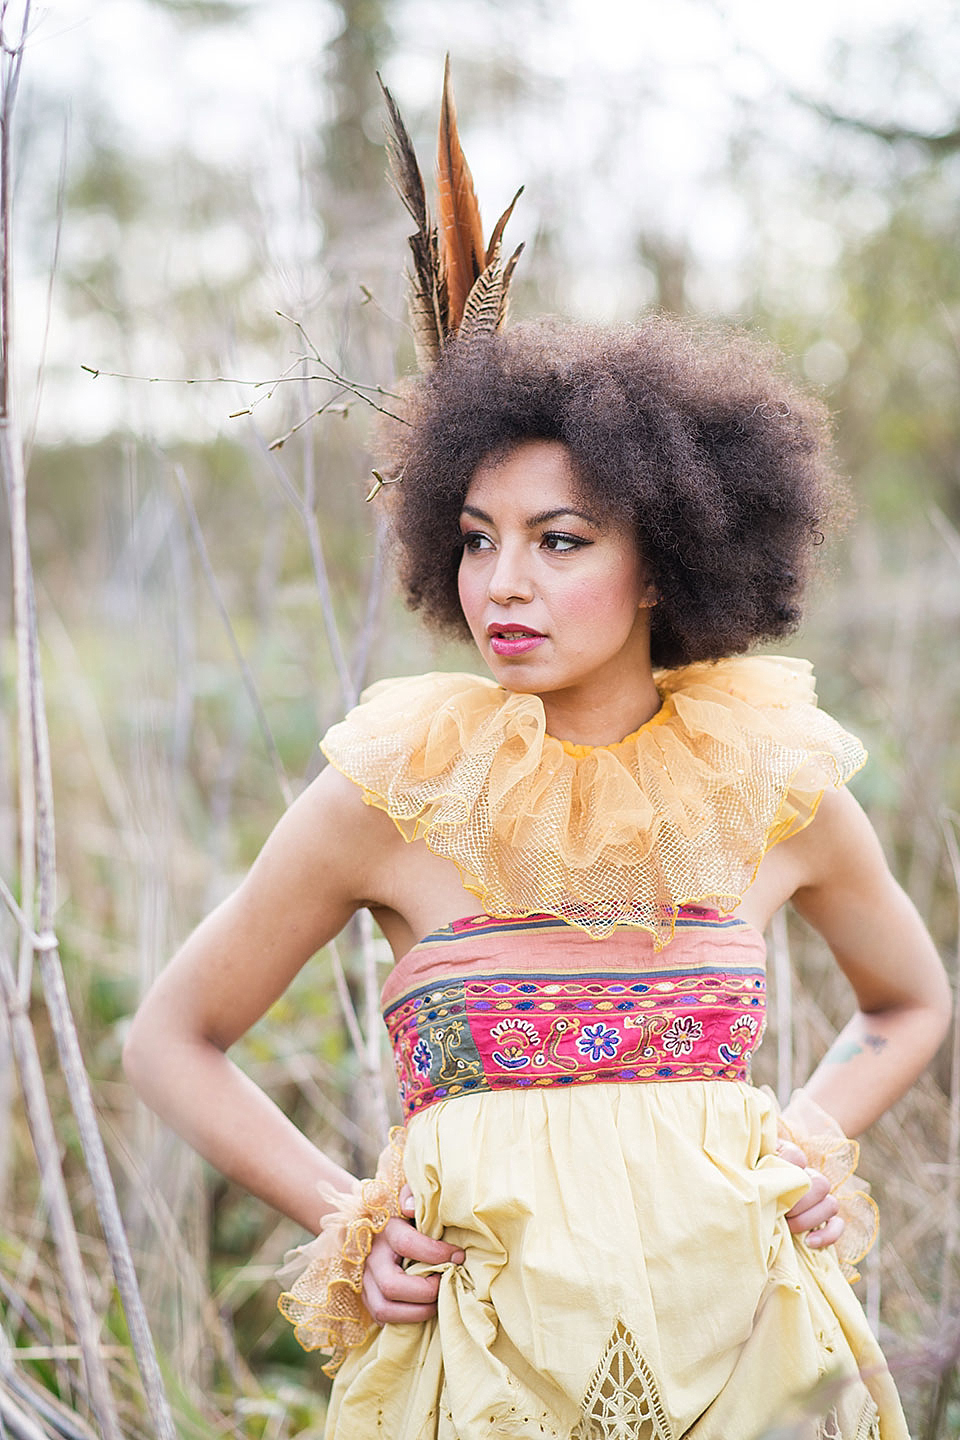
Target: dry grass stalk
37,896
952,1224
248,681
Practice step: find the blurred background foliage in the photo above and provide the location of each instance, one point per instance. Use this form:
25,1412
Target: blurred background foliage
169,537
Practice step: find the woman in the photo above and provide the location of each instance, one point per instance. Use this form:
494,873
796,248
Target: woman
607,1240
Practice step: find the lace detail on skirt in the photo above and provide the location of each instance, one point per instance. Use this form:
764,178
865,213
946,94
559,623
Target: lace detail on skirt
868,1425
622,1401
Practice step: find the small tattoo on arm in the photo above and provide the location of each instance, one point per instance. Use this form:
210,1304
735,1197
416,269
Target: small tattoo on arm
843,1050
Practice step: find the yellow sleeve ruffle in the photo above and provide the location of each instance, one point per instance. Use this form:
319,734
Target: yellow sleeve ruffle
680,812
829,1150
324,1302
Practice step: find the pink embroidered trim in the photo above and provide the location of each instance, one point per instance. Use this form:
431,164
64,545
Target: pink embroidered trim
511,1031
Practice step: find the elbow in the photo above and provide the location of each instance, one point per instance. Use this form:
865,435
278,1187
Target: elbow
939,1005
147,1049
135,1051
934,1014
945,1009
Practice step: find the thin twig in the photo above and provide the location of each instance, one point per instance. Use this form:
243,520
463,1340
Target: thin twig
347,1006
249,683
305,505
375,589
362,392
373,1026
331,407
784,983
38,882
37,941
285,378
47,1151
48,304
952,1198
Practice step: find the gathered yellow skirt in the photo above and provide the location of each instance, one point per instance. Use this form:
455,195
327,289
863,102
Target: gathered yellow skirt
629,1275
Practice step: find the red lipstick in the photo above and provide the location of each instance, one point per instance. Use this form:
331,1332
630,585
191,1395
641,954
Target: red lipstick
508,639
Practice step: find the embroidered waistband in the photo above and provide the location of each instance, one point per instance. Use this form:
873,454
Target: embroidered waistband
510,1031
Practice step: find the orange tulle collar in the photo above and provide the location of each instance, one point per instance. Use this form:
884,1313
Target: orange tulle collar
680,812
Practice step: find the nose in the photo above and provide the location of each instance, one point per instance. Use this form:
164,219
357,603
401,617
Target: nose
510,578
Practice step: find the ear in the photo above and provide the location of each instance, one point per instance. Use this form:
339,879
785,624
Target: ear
649,596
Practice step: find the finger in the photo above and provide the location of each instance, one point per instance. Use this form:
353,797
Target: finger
792,1153
411,1244
407,1202
815,1216
827,1234
396,1285
387,1312
818,1191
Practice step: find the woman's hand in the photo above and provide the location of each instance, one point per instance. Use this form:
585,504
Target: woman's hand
815,1214
392,1296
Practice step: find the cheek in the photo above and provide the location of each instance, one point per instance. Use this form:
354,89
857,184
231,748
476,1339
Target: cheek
471,592
604,602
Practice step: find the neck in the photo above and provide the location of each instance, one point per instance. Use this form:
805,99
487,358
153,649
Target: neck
601,720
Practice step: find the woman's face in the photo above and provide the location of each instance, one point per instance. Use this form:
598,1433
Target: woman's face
557,598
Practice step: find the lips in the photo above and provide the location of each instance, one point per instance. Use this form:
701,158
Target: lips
507,640
495,628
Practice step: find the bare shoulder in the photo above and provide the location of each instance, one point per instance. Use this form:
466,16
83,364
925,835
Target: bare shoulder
330,826
839,846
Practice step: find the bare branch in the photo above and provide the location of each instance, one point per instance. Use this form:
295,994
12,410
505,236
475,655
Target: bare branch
952,1230
48,306
248,681
347,1006
946,142
38,894
47,1151
355,387
331,407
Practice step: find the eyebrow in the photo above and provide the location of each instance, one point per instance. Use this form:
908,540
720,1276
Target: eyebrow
540,518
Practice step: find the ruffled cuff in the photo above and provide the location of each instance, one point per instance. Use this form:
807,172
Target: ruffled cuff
830,1151
323,1304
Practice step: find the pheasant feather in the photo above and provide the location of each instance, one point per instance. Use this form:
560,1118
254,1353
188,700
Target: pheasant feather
427,298
498,229
458,214
457,287
481,312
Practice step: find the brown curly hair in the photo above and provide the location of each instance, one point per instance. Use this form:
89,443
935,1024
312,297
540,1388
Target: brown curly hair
690,435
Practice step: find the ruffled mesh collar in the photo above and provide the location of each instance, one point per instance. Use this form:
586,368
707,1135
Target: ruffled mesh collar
680,812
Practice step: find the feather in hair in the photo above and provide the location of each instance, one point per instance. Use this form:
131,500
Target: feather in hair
427,298
456,287
458,214
508,270
498,229
481,313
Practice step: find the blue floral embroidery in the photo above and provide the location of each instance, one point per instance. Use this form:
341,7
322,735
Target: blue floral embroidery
599,1041
422,1057
679,1038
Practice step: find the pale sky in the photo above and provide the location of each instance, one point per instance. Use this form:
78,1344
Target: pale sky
666,79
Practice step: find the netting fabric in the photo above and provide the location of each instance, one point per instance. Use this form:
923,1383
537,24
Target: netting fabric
680,812
829,1150
324,1303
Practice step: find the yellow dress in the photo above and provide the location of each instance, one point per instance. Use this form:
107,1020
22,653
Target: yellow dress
573,1065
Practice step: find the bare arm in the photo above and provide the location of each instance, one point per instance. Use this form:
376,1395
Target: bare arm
848,894
310,877
226,975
